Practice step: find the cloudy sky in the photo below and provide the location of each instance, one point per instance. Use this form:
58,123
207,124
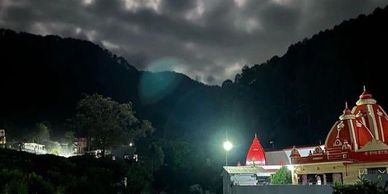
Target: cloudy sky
209,40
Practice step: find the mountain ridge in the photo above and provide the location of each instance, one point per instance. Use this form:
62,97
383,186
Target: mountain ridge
292,100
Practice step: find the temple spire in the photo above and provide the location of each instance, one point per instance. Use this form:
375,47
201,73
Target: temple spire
256,153
364,88
346,105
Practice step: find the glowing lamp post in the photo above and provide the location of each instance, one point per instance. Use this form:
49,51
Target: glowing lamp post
227,147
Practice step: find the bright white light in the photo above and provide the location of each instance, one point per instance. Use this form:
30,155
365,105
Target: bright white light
66,154
228,145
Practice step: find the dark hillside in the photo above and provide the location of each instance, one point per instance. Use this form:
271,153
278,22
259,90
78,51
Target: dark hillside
299,96
293,99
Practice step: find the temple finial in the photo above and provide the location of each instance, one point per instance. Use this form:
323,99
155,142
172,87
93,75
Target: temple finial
346,105
255,135
364,88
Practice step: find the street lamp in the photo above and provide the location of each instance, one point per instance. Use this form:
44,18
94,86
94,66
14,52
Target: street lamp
227,147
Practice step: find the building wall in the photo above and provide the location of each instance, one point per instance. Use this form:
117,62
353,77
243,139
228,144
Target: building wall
381,180
226,183
356,170
281,189
350,172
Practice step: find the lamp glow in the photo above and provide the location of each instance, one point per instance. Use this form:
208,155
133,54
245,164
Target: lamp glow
228,145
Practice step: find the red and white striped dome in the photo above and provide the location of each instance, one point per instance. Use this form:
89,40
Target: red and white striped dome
372,115
348,130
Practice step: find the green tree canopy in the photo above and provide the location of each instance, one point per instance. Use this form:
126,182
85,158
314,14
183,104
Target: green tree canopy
108,122
282,176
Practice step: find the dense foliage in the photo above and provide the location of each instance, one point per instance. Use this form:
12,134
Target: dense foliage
27,173
282,176
361,187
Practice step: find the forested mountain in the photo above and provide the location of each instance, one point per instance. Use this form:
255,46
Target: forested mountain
292,100
297,97
44,77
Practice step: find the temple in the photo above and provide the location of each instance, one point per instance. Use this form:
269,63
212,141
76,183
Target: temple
355,146
256,154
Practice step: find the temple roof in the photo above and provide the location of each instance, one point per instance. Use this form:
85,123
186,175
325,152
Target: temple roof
372,115
365,98
348,130
360,134
278,157
256,154
244,169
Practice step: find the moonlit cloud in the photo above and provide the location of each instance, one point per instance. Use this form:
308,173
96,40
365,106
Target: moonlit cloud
88,2
209,40
135,5
110,45
240,3
196,12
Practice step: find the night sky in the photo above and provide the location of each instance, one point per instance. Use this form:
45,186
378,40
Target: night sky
208,40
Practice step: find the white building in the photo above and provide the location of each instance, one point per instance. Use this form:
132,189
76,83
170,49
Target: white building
2,137
34,148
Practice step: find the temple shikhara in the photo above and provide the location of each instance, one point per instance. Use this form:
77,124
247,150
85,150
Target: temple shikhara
256,154
355,146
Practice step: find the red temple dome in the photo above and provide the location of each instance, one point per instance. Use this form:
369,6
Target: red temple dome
349,131
359,135
256,154
365,98
372,115
347,114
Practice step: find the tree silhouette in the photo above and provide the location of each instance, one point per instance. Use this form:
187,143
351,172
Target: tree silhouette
106,122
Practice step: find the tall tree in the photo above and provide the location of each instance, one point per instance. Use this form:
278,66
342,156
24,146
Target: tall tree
108,122
41,134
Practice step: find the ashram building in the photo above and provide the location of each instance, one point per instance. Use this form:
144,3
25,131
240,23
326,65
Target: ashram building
355,146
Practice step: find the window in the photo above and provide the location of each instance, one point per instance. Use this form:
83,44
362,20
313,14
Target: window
378,170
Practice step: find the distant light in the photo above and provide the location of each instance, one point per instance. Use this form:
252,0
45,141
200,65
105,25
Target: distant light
228,145
130,144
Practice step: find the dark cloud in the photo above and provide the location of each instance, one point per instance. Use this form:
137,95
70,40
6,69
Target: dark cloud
210,79
209,40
